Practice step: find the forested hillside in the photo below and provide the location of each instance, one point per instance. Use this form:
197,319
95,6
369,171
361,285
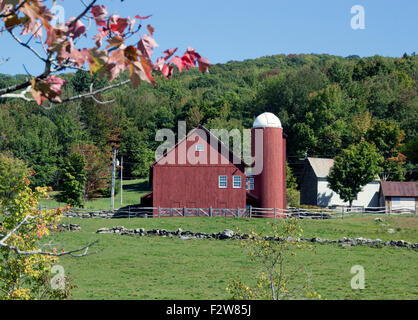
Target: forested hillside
325,104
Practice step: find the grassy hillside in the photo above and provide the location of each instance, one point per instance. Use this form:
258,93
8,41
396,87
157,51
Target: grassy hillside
169,268
133,190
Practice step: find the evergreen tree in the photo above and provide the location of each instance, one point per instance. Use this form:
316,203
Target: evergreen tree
73,179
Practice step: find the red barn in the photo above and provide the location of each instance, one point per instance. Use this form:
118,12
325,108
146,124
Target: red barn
201,172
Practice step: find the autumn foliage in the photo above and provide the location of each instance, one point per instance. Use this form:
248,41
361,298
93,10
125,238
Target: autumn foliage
111,54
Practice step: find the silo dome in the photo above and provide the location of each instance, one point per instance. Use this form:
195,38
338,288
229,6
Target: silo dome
267,120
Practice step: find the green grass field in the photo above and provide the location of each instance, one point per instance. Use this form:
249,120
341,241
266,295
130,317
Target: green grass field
170,268
133,190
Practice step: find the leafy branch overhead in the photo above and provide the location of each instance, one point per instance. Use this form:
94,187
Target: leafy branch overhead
110,55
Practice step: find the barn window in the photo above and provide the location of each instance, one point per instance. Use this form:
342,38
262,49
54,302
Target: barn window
236,181
223,182
249,184
200,147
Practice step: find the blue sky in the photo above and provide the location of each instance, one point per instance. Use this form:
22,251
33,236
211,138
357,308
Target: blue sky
242,29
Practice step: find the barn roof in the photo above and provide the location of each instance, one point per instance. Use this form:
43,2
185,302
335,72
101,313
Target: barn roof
399,189
321,166
232,157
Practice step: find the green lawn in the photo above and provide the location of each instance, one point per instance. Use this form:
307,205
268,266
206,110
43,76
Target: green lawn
133,190
169,268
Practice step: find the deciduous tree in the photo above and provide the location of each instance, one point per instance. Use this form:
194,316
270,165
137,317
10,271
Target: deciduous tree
26,261
353,168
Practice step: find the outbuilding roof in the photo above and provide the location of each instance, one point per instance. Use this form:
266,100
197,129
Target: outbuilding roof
399,189
321,166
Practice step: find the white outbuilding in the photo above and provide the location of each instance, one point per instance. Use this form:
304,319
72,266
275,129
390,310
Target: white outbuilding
314,188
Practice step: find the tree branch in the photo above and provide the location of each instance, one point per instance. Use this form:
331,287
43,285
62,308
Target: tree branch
96,100
82,14
4,15
27,46
91,93
3,244
3,61
21,95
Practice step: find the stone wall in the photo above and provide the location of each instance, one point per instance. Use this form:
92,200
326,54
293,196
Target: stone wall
229,234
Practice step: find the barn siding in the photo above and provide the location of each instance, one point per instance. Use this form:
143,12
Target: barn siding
196,185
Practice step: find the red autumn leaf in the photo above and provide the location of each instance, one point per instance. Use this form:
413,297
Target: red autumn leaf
11,21
147,67
99,37
159,64
131,53
136,74
75,29
167,71
142,18
146,45
169,52
2,5
37,95
97,61
55,84
117,24
113,70
115,42
192,53
36,10
150,29
33,27
178,62
77,57
48,89
118,57
99,14
204,64
82,56
188,61
55,37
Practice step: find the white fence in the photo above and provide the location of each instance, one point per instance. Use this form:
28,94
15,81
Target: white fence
250,212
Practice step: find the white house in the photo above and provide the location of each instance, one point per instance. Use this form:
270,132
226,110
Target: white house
314,188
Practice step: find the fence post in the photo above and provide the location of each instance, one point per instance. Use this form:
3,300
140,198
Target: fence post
251,211
342,212
159,211
274,210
